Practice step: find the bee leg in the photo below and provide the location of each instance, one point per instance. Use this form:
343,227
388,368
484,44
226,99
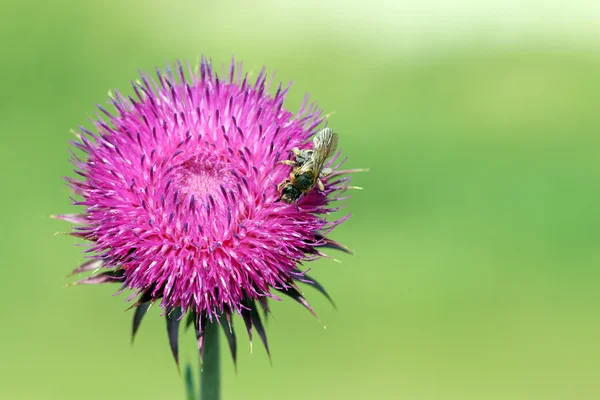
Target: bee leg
297,151
320,184
326,172
288,162
292,177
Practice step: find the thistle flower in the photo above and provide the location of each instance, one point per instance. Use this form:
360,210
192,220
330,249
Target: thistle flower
179,190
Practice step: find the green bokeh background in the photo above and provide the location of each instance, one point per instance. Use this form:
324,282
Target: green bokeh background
475,274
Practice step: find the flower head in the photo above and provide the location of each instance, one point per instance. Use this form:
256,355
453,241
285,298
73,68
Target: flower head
180,189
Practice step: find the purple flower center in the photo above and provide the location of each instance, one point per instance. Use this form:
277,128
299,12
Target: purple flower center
203,174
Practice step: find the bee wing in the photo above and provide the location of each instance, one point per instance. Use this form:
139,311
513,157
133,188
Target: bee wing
309,166
333,145
325,142
324,145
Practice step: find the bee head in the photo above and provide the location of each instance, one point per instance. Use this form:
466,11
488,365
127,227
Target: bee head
290,194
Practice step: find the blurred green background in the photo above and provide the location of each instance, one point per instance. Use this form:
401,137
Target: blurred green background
476,237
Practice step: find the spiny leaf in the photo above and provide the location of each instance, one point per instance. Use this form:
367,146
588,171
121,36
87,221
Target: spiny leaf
105,277
332,244
89,265
199,325
190,319
79,219
247,317
230,333
140,311
265,307
312,282
296,295
259,327
173,319
144,298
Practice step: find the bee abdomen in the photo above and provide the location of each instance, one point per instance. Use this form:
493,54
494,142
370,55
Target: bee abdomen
304,182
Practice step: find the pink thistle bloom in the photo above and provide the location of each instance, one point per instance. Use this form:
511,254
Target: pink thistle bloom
180,194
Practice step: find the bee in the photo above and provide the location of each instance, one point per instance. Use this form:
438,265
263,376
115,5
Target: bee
308,167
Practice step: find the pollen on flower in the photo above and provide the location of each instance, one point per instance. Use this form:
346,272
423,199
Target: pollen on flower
179,196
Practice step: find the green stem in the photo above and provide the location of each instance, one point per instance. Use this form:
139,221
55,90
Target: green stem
210,372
